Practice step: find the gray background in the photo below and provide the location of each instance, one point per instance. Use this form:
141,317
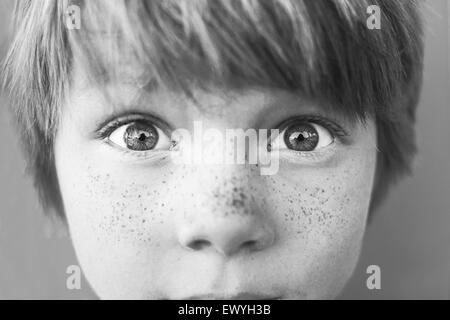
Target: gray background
408,238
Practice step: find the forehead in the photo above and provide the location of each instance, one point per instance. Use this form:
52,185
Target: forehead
152,49
208,92
250,107
130,87
131,83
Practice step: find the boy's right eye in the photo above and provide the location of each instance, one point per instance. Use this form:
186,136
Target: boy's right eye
139,135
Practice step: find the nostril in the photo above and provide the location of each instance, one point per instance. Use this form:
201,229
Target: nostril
199,244
250,244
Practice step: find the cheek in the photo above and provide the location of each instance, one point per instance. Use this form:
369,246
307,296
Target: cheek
114,205
322,203
119,219
321,217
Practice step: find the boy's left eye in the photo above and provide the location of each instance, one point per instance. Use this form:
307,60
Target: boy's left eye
304,136
139,136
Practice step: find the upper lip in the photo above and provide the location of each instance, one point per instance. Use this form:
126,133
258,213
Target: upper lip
238,296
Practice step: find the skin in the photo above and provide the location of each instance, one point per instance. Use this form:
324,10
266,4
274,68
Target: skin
144,227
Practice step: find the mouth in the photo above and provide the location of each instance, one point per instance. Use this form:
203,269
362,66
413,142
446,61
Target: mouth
239,296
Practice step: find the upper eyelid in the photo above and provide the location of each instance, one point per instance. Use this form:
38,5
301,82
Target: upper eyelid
320,120
125,118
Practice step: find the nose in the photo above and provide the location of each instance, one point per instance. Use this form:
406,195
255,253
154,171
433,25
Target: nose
227,235
226,217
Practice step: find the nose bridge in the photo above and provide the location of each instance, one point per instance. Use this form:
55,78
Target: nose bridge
218,144
225,216
227,190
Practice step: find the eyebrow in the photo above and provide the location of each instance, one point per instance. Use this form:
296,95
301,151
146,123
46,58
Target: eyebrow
133,76
143,81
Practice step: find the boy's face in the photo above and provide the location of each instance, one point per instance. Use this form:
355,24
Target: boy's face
144,226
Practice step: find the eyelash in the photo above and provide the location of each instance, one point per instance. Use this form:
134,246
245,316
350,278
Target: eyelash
108,127
336,130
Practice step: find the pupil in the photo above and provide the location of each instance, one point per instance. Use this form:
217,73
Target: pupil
301,137
141,136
